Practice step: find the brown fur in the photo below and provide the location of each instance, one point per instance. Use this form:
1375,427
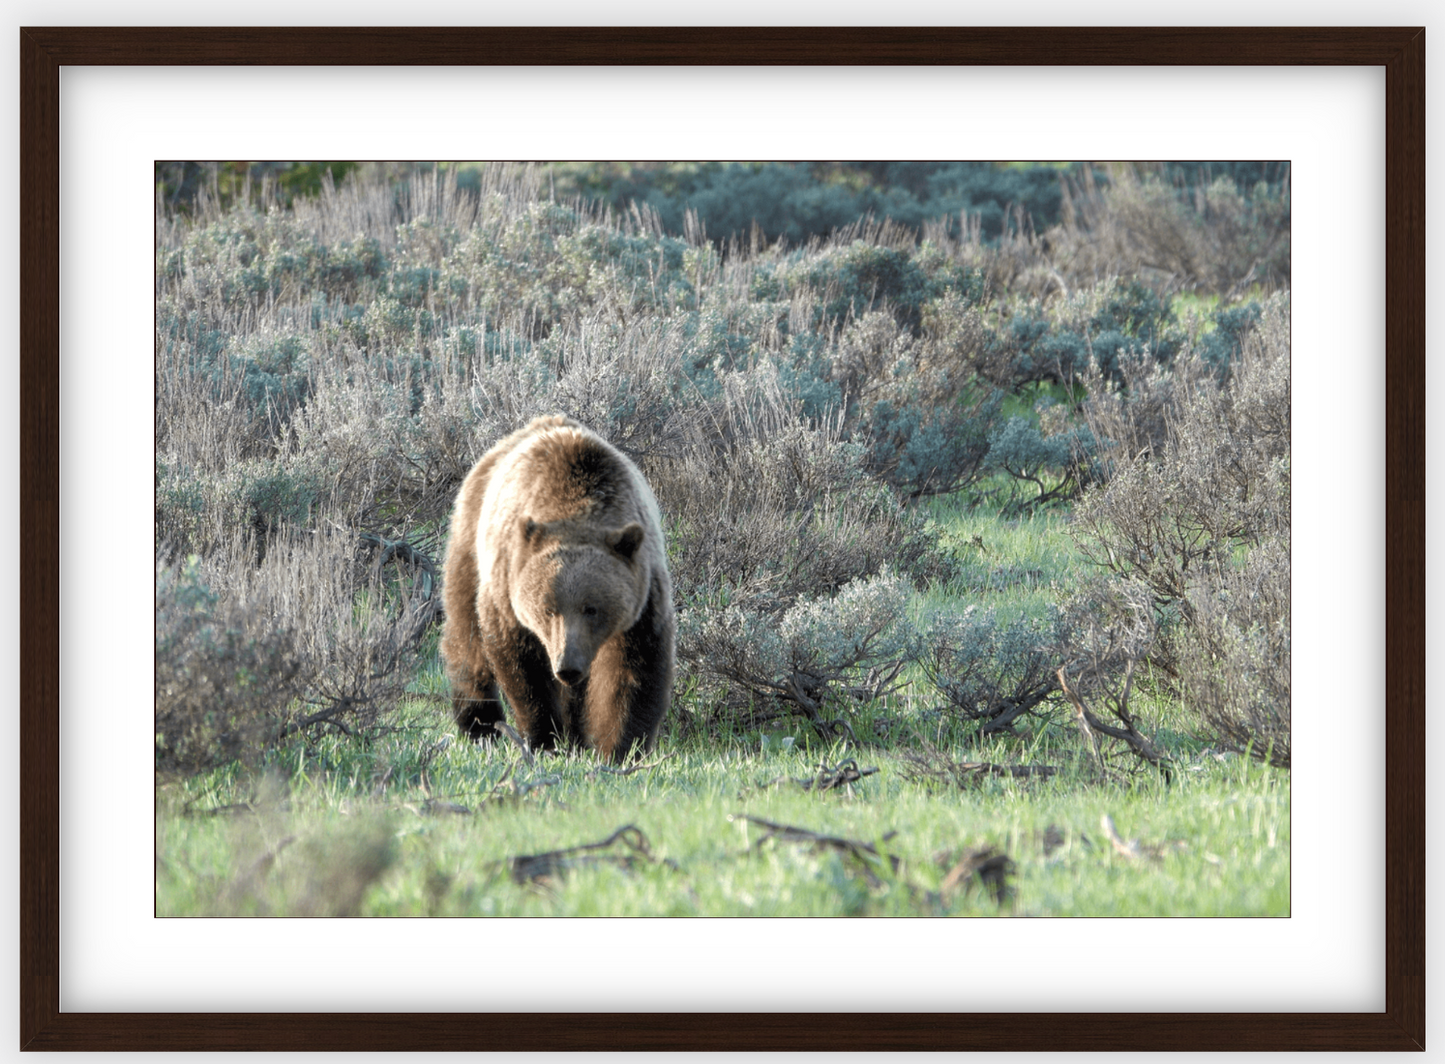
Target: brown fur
557,592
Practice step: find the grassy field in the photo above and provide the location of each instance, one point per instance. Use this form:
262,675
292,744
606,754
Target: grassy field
901,819
499,837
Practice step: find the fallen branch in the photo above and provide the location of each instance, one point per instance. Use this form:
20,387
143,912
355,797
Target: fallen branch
1133,849
1010,710
840,775
987,866
439,806
538,867
863,854
608,770
932,764
323,716
826,779
507,787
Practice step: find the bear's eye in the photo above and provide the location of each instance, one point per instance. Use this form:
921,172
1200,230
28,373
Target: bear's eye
589,611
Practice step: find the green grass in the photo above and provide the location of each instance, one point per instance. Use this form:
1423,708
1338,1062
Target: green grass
1215,842
1018,567
411,823
1200,307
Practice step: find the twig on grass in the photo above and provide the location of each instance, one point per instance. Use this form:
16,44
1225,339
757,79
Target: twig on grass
930,763
508,787
505,776
826,779
1133,849
438,806
427,757
840,775
511,733
542,868
864,855
988,866
608,770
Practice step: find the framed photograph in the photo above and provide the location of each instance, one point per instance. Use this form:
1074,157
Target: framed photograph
100,971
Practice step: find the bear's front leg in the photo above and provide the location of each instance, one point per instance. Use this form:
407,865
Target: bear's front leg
538,702
630,690
476,707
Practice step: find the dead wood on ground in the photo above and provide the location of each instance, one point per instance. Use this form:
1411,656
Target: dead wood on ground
544,868
930,764
987,866
862,855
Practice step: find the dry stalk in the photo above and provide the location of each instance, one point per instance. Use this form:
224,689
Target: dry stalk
1092,726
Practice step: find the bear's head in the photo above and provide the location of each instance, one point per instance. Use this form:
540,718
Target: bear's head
575,591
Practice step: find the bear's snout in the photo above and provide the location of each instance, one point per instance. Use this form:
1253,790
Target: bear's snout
573,666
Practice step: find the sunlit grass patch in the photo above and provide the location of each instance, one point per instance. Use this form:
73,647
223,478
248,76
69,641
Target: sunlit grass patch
398,831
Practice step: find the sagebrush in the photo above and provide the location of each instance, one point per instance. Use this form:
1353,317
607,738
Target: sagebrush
333,355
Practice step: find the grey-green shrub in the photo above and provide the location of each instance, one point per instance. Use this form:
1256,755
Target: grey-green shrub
807,656
225,672
1137,225
767,515
1218,483
317,631
990,671
1112,628
1234,656
1201,517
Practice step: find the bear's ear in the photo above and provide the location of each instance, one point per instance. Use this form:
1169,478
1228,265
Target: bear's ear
626,541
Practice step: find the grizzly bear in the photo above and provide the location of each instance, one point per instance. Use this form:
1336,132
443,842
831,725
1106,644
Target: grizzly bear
556,590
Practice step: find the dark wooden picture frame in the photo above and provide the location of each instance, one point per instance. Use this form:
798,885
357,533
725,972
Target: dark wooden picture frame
1401,51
